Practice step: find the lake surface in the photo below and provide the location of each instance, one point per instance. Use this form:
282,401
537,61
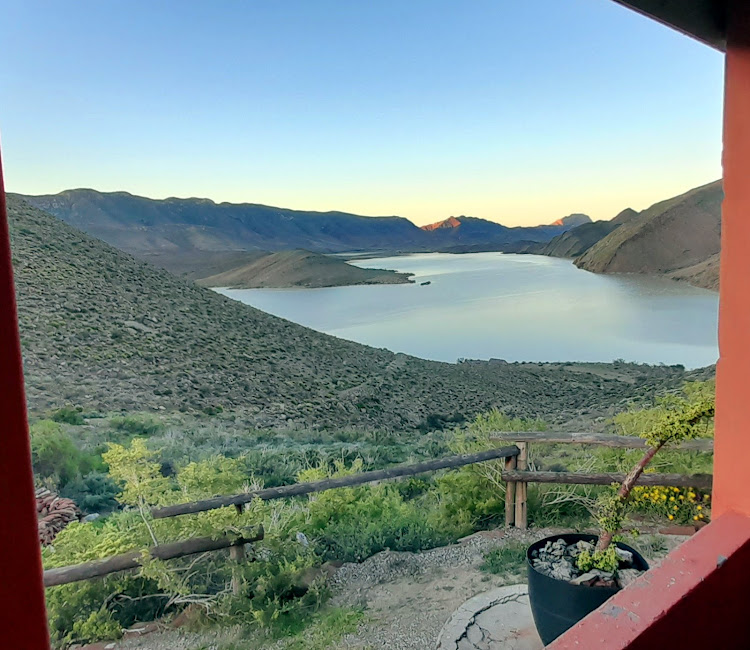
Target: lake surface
512,307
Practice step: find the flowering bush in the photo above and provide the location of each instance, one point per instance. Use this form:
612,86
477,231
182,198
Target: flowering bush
681,505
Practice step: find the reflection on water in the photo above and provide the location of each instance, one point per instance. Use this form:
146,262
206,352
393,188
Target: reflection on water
513,307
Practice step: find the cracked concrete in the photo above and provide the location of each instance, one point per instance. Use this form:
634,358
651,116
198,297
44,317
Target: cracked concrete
499,619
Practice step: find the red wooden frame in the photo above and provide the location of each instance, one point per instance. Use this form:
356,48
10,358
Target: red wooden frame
23,618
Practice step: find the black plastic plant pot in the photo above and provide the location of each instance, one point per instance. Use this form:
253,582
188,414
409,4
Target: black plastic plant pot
558,605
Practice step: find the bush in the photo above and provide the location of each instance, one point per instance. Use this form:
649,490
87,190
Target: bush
466,501
54,456
95,492
68,415
351,524
99,609
681,505
136,425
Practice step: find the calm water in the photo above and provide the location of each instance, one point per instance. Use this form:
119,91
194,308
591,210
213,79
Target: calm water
513,307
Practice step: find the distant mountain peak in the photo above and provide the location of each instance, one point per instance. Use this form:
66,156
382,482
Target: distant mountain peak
626,215
450,222
572,220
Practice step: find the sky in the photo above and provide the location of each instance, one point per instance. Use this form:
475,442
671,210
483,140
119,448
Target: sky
518,112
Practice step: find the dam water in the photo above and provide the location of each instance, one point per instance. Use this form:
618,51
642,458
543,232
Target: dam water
512,307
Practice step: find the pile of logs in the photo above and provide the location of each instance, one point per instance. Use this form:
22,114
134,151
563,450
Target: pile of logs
53,514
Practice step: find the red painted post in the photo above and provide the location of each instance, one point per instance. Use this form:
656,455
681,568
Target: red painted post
732,444
23,618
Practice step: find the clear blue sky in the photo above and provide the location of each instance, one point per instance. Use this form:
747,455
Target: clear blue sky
519,112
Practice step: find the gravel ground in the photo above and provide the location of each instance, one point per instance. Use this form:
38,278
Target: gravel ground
409,596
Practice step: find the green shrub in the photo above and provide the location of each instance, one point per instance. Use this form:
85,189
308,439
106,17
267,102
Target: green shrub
510,558
466,501
95,492
351,524
69,415
54,456
90,611
136,425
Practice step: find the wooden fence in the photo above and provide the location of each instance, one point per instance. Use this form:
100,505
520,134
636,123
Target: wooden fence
515,474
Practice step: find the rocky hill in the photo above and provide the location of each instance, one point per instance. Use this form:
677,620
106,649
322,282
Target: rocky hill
576,241
105,331
300,268
668,237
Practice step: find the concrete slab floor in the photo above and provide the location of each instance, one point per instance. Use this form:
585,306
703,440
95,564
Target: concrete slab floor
499,619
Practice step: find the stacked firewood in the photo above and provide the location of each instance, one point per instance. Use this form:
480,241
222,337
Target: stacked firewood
53,514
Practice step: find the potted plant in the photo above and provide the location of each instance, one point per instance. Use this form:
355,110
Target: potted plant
571,575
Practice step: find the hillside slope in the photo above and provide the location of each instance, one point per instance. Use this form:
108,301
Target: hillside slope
668,236
104,331
704,274
300,268
576,241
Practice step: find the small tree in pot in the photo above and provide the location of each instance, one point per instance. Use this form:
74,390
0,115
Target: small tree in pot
685,422
558,601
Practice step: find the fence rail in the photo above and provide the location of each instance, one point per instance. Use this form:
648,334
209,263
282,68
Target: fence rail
515,474
298,489
601,439
132,560
702,481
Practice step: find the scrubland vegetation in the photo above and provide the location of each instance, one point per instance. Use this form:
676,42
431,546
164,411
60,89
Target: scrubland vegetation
158,460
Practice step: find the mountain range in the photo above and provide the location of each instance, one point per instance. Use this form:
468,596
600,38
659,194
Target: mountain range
179,234
679,237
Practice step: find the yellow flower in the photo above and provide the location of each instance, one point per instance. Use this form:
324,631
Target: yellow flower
700,516
695,518
671,517
663,497
675,508
682,498
671,498
699,508
692,495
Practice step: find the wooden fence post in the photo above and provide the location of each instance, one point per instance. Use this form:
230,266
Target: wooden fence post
521,488
237,555
510,494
